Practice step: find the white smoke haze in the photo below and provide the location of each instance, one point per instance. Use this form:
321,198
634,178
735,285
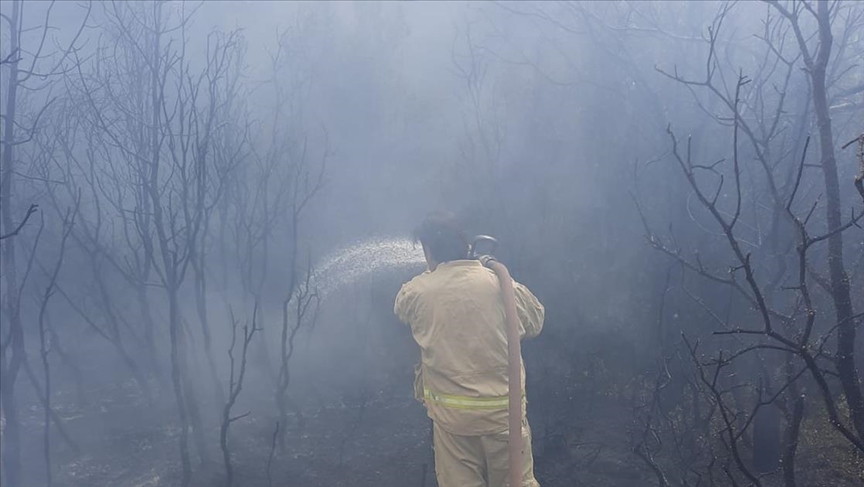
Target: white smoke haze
186,188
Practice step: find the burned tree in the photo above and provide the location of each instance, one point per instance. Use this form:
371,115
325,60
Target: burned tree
78,163
28,73
166,131
270,199
299,309
235,386
773,270
816,61
44,344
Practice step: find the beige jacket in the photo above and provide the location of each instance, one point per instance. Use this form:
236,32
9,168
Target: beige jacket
456,315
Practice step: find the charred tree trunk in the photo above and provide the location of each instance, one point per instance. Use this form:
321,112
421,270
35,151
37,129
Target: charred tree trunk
12,351
201,307
840,291
193,406
793,414
177,383
766,436
235,386
45,347
149,329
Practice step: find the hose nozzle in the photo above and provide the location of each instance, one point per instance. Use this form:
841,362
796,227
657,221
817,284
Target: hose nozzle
482,245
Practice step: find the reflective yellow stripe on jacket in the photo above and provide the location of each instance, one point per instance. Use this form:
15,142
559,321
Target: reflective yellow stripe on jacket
465,402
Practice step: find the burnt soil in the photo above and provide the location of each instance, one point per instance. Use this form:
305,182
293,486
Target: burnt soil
381,441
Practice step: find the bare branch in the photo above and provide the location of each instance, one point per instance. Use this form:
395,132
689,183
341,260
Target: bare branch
33,209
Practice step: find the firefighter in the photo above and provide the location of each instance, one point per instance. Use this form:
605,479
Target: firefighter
456,314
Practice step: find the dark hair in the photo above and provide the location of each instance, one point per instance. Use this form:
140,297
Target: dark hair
442,236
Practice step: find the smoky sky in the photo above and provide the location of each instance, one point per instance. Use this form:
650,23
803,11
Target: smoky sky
578,134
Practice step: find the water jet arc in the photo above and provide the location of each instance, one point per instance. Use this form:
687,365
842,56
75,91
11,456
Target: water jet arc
364,258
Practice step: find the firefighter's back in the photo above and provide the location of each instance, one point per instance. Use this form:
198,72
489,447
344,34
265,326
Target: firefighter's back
458,321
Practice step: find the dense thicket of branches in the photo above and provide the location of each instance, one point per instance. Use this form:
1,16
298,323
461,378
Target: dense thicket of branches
757,323
680,183
140,150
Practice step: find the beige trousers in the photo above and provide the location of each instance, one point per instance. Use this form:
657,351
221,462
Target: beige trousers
478,461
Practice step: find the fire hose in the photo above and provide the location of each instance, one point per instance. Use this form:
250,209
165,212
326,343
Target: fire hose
514,361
